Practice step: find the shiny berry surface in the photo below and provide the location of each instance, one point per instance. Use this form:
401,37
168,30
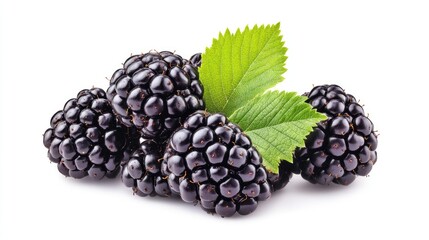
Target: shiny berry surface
215,165
85,138
155,92
143,172
282,178
340,147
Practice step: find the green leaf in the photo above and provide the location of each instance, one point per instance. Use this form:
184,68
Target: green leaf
277,123
239,66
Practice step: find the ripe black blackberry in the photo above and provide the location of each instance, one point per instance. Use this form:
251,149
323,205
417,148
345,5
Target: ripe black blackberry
280,180
340,147
155,92
142,173
85,137
209,160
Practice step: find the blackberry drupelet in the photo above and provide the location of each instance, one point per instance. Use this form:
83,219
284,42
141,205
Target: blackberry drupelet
155,92
280,180
340,147
196,60
85,137
209,160
143,172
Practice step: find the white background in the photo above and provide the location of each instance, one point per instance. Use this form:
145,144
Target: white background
376,50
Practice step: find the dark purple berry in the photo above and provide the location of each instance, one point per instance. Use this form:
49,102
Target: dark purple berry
212,162
340,147
155,92
143,172
86,139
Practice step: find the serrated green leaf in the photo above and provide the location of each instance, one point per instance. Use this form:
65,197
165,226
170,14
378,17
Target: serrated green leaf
277,123
239,66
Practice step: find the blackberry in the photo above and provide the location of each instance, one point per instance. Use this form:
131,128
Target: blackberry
340,147
143,171
155,92
85,137
211,161
280,180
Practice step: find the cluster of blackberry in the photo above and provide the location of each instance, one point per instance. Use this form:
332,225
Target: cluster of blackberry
150,123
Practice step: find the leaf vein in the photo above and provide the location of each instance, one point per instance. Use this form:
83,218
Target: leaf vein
247,70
